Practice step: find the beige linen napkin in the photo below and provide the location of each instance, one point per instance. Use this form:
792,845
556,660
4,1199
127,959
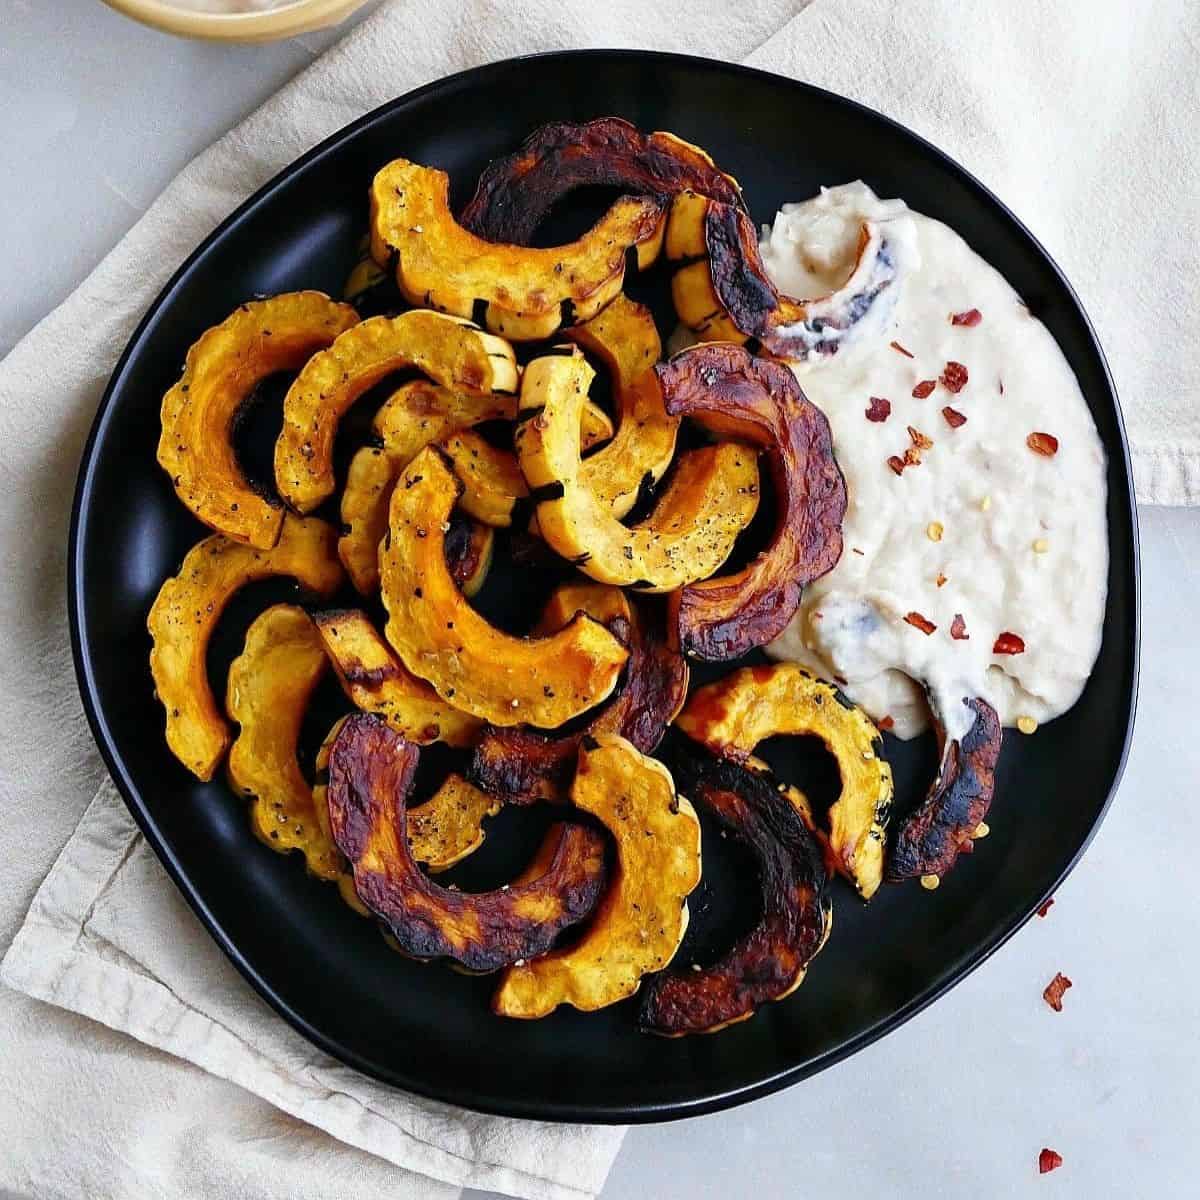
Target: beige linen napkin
1082,115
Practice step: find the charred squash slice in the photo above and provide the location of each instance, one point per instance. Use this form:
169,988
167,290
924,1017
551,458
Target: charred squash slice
523,765
515,193
643,916
728,295
187,609
450,350
929,840
735,395
469,548
376,682
442,639
623,336
707,503
752,704
222,370
371,769
770,961
525,293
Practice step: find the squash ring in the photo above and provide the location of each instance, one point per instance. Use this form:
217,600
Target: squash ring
371,770
450,350
731,716
442,639
516,192
710,499
929,840
770,962
523,765
526,294
198,414
643,916
734,395
186,611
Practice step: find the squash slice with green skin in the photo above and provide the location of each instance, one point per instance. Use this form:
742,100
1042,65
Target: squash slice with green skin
709,500
222,370
442,639
524,292
186,612
450,350
643,915
734,714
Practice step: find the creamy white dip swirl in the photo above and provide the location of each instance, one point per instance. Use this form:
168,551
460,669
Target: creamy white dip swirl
983,527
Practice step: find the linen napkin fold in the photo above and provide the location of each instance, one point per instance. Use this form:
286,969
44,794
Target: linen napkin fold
1080,113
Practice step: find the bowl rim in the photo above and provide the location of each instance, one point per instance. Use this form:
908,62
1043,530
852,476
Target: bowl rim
291,16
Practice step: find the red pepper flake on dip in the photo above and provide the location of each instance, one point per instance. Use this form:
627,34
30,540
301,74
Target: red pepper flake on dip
1045,444
1008,643
970,318
1045,908
925,625
958,629
1049,1160
954,377
901,350
879,409
919,439
953,417
924,388
1054,991
897,464
885,723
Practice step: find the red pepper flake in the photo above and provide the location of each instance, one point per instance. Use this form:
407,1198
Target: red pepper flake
880,409
1009,643
885,723
901,350
925,625
953,417
941,580
919,439
958,629
1001,383
912,457
970,318
924,388
1045,908
1045,444
1048,1160
897,464
1054,991
954,377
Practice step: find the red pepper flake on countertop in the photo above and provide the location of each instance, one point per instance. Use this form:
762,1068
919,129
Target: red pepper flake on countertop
953,417
954,377
879,409
897,464
958,629
925,625
1048,1160
924,388
885,723
901,350
1054,991
970,318
1045,908
1045,444
1009,643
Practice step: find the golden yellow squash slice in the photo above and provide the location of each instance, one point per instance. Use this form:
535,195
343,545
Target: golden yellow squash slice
441,638
222,369
186,612
643,915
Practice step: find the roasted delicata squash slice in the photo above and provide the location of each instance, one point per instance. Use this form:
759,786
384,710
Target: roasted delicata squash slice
709,500
492,482
734,714
516,192
728,296
437,634
377,682
623,336
523,765
270,685
371,769
525,294
735,395
644,914
187,609
223,367
450,350
929,840
770,961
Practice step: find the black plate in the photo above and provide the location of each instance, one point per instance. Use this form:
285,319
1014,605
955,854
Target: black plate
325,970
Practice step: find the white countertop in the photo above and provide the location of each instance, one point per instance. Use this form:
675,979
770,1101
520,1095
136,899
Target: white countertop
99,114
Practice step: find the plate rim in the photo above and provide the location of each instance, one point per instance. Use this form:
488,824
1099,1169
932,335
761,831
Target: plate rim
551,1109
